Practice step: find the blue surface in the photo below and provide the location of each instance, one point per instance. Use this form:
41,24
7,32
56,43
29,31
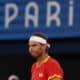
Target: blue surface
17,29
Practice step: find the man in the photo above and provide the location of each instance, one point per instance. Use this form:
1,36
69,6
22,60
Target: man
45,68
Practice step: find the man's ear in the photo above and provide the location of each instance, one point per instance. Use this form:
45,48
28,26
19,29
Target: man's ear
45,47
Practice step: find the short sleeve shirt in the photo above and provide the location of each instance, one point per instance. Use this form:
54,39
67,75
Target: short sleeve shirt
49,69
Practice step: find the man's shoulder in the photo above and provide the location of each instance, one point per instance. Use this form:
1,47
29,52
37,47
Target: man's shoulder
52,60
34,64
33,67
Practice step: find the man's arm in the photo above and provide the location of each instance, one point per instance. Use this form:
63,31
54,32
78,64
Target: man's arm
56,79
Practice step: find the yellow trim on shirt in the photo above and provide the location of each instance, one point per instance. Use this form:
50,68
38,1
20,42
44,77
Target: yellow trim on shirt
54,76
44,61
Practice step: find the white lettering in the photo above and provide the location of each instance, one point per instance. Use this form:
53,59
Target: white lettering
28,16
9,18
55,16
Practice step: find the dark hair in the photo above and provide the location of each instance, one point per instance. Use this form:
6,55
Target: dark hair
41,35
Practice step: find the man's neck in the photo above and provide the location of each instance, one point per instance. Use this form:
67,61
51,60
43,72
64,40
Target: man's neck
42,58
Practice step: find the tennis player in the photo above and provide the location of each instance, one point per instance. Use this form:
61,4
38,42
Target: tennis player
45,67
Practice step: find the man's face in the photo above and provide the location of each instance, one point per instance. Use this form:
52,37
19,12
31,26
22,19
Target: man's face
35,49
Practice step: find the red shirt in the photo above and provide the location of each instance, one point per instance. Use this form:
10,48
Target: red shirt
49,69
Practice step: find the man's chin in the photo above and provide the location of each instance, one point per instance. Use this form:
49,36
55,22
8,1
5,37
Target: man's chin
34,56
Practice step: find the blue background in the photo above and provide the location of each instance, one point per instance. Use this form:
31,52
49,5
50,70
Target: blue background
17,29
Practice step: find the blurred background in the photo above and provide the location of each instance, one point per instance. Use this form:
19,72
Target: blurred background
64,38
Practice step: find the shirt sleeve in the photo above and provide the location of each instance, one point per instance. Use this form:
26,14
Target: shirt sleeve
53,70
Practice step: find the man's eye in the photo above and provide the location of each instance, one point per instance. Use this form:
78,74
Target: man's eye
33,45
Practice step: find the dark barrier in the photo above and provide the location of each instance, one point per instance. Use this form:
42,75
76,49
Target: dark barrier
20,47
